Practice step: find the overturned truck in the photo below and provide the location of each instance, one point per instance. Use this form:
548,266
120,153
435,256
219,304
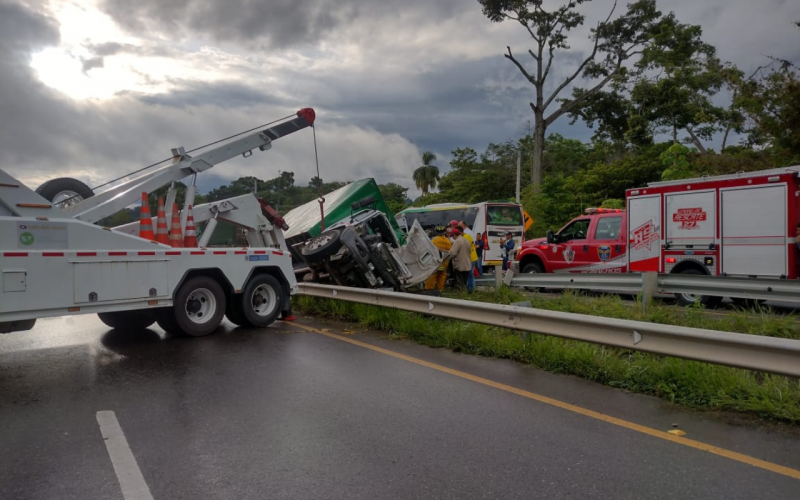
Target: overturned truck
358,242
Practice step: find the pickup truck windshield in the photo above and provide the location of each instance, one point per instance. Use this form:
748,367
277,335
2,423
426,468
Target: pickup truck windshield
576,230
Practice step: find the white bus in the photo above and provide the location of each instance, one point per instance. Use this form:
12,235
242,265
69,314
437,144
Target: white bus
492,219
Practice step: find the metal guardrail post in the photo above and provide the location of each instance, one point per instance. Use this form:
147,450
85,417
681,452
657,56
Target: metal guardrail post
498,278
649,288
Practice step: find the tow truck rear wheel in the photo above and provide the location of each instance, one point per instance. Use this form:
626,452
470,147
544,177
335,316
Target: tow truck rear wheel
127,320
262,300
165,317
235,311
199,306
688,299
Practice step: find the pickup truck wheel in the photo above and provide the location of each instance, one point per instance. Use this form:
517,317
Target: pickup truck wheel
689,299
199,306
322,246
127,320
235,311
262,300
64,192
533,268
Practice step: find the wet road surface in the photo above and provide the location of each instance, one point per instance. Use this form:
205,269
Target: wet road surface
295,412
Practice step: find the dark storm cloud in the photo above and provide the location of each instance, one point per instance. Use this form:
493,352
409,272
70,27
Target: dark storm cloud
225,94
91,63
280,22
269,23
114,48
23,29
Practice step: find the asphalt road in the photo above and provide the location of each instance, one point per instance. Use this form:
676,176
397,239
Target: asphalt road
294,412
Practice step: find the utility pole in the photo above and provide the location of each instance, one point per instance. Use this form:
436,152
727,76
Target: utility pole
519,170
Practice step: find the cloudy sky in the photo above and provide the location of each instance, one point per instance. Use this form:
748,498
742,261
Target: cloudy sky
97,88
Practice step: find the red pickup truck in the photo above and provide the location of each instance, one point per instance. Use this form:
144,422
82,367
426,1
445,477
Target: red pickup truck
593,243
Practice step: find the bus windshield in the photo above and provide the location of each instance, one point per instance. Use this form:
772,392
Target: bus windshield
503,215
430,219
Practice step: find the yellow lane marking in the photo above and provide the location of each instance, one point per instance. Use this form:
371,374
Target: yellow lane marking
691,443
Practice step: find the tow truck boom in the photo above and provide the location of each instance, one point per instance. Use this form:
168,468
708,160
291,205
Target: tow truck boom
183,165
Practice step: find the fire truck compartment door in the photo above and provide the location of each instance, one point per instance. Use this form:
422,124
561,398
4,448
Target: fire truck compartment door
104,281
754,231
691,219
644,233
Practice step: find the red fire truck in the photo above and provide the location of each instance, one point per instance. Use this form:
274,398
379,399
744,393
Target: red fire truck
732,225
741,225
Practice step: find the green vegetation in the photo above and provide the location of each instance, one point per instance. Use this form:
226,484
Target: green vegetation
690,383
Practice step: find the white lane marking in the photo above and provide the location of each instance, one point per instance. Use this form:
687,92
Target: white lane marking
130,477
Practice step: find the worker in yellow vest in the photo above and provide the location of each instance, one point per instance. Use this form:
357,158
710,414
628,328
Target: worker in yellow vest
473,256
443,243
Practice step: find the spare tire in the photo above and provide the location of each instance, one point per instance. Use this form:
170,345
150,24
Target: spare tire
64,191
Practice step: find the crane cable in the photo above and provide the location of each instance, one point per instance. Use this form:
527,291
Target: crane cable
321,199
191,151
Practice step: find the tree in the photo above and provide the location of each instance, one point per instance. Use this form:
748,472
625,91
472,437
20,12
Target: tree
240,186
427,176
669,89
614,43
395,196
771,102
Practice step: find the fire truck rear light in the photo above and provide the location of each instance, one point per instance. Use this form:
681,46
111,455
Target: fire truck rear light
709,261
671,260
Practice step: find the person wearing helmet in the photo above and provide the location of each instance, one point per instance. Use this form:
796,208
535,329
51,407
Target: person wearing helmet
442,242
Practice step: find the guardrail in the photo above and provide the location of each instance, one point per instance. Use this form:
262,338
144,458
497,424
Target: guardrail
767,354
649,284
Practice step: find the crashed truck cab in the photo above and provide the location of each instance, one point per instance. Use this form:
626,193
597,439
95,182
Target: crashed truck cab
360,247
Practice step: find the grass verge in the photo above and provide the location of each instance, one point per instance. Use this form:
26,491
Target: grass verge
691,383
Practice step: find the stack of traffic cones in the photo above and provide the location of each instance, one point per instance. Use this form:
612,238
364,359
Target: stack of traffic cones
175,236
145,221
162,234
190,240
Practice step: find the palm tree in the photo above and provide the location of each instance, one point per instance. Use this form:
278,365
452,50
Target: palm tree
427,176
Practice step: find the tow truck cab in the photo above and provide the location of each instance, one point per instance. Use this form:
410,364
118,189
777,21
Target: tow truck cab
592,243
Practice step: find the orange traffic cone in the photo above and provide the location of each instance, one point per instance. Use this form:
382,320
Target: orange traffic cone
162,233
175,236
145,221
190,240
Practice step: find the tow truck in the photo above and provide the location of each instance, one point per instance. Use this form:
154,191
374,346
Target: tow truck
56,261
